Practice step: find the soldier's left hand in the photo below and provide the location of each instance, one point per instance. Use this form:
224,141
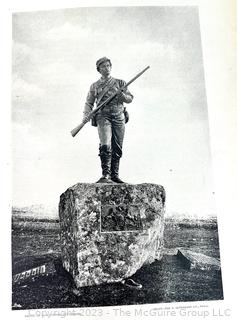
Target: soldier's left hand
121,96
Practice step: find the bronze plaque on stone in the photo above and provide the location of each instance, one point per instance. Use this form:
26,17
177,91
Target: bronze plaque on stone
120,218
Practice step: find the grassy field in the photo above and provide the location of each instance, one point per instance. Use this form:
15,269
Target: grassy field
37,242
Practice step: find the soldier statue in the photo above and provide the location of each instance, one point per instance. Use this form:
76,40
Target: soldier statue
110,121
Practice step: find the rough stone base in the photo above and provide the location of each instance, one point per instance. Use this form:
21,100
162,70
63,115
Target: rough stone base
108,231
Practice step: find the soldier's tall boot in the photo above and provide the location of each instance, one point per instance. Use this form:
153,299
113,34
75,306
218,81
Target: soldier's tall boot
115,170
105,157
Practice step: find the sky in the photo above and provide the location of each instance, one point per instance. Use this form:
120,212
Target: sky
167,137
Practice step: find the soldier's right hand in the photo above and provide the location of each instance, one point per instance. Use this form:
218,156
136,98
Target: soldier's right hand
86,118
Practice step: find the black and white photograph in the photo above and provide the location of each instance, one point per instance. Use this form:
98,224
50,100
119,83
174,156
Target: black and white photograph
114,200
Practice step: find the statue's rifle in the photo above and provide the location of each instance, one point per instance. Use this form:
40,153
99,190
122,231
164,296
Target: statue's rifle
103,104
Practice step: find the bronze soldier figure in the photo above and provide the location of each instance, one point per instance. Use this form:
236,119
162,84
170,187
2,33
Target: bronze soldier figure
110,121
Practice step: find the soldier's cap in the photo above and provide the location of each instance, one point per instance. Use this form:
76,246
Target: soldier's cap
102,60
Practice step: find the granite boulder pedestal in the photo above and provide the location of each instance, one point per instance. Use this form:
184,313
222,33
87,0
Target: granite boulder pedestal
108,231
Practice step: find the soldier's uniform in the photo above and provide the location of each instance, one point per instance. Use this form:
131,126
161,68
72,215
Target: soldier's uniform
110,122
